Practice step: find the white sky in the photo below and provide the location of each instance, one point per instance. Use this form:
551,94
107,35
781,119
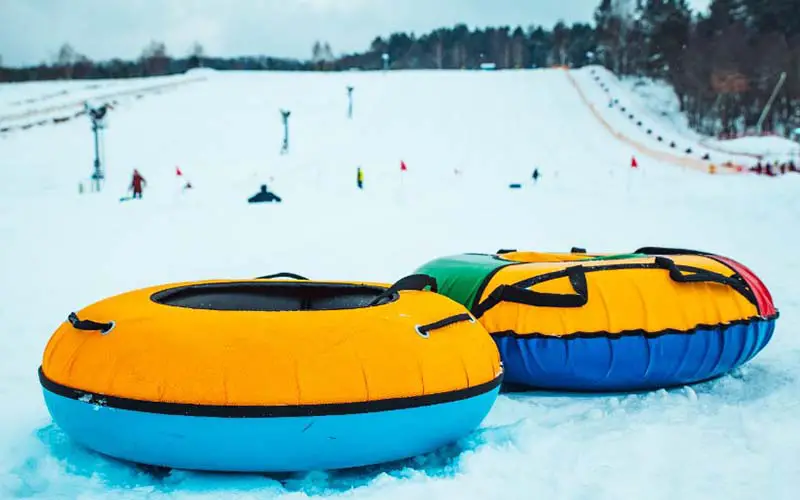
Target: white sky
32,30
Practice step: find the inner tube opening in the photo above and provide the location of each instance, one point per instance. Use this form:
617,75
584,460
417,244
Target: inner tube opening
270,296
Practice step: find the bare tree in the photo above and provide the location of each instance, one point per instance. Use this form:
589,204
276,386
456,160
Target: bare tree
316,52
154,58
322,55
196,55
614,20
327,53
65,59
561,38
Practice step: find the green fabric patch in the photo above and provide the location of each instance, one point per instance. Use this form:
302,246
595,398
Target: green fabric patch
460,276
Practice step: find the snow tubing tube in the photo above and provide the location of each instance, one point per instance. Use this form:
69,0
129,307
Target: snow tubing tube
651,319
270,375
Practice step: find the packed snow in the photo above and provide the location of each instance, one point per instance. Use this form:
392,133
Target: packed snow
465,136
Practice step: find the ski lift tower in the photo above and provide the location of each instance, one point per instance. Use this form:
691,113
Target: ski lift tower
98,117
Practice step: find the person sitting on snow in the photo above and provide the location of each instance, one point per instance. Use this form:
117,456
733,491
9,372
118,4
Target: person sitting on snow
264,196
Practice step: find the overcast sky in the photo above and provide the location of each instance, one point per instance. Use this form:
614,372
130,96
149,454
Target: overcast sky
32,30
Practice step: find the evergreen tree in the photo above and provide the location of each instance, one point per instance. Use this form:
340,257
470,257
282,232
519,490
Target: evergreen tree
666,26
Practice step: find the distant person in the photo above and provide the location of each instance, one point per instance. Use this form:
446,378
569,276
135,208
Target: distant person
783,168
360,178
264,196
535,175
137,183
792,166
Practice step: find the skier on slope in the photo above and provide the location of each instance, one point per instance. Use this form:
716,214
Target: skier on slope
136,184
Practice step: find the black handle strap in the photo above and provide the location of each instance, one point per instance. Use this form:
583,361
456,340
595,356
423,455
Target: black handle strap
520,295
283,275
425,330
89,325
736,281
689,274
412,282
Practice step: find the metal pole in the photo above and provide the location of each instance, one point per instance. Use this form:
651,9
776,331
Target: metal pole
97,174
350,102
285,146
770,102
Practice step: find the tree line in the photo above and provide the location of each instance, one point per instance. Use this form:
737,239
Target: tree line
154,60
724,65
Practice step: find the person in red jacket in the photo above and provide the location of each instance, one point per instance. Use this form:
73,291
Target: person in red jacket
137,183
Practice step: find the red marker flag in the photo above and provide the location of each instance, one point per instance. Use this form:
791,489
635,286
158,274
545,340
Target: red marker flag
403,167
178,171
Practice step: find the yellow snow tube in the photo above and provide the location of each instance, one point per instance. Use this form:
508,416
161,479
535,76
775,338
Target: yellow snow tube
272,343
607,297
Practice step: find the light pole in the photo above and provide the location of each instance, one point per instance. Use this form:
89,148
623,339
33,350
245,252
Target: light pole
97,115
285,146
350,101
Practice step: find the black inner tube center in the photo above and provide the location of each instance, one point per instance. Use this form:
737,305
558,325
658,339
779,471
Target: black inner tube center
271,296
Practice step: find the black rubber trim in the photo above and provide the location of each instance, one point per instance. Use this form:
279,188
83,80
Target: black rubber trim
436,325
283,275
164,296
670,251
634,333
221,411
89,325
521,295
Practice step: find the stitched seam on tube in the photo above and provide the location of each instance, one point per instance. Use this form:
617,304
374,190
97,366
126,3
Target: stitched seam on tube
635,333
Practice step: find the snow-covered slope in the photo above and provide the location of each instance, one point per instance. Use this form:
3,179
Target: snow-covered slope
464,136
36,104
655,104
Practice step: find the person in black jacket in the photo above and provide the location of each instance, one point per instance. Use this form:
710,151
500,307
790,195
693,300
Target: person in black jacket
264,196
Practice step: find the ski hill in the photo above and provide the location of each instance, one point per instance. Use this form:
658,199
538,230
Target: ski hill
465,137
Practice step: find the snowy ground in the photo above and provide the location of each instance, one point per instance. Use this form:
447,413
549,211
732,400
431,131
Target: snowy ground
731,438
658,106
